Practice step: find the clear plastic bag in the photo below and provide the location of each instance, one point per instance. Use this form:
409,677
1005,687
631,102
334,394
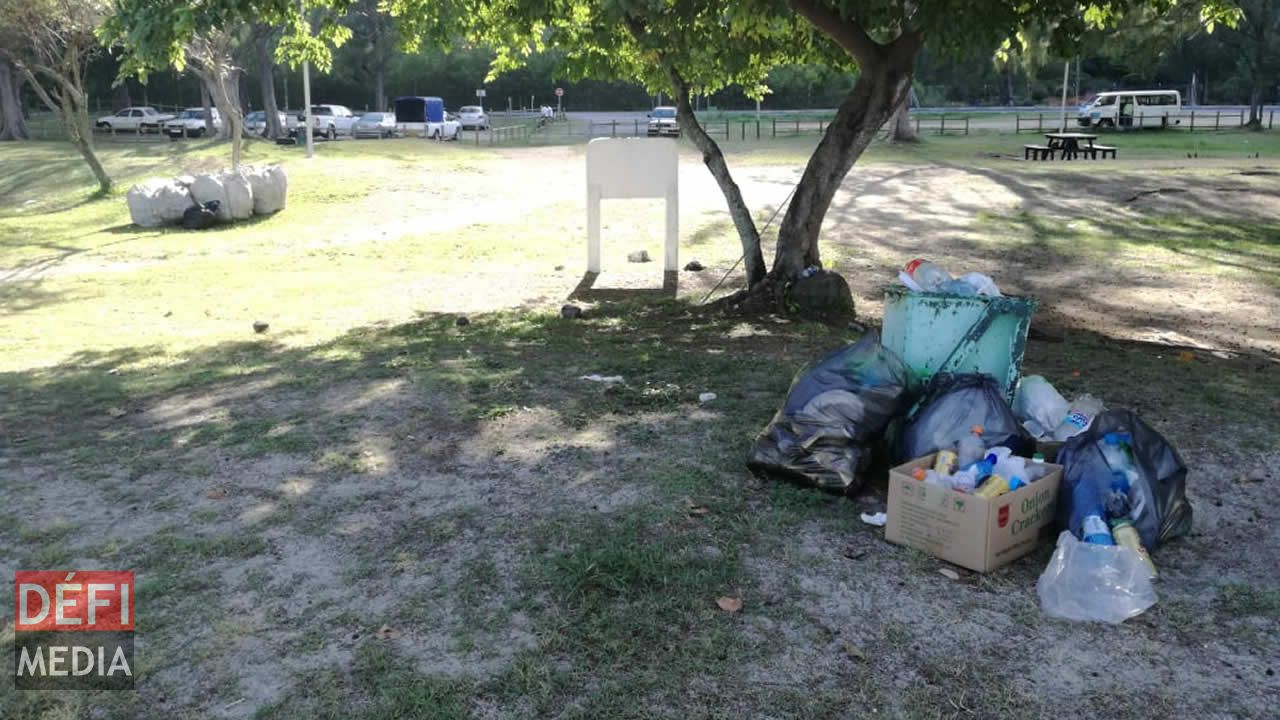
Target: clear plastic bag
1102,583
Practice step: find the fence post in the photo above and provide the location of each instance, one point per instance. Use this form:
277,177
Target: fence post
942,128
757,128
1193,121
775,127
1017,123
1217,119
917,124
613,131
636,130
820,128
1271,119
1041,123
966,124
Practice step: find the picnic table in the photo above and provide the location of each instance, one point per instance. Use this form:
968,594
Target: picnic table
1068,146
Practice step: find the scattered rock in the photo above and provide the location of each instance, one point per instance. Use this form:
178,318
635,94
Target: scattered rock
570,312
854,652
694,266
260,327
559,268
462,321
639,256
706,397
158,202
729,604
117,412
823,296
949,573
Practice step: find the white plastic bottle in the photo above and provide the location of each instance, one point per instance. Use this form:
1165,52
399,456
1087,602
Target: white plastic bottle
929,276
1039,405
970,449
1079,416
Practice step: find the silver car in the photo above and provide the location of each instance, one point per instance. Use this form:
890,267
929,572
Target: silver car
375,124
256,122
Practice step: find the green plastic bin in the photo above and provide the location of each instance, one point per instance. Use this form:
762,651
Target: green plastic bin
934,333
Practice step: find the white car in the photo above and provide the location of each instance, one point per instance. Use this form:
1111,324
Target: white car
190,123
450,129
328,121
131,119
375,124
256,122
662,121
473,117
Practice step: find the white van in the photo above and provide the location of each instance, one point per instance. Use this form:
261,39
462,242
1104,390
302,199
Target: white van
1132,108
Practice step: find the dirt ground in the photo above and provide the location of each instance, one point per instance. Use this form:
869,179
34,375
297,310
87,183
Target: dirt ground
412,518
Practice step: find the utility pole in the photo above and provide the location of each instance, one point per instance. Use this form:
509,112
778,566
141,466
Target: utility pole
1066,72
306,90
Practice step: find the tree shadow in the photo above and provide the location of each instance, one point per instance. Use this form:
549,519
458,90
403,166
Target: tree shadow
587,292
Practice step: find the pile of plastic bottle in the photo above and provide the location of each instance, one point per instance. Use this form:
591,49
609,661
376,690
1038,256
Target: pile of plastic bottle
923,276
1109,520
1047,415
973,468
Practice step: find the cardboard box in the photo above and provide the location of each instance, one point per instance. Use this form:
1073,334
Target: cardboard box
968,530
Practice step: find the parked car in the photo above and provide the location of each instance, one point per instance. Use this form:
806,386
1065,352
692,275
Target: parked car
328,121
375,124
473,117
256,122
190,123
662,121
131,119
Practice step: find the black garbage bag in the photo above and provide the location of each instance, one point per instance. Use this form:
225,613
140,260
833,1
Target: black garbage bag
1157,501
203,216
834,415
952,404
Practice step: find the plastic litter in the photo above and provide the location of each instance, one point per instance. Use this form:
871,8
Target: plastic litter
1078,418
1100,583
920,275
607,379
952,405
877,519
706,397
1156,494
1039,406
834,415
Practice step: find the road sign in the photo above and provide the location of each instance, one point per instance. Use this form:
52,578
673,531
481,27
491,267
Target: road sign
559,92
480,93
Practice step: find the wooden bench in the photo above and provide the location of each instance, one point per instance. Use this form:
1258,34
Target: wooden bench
1037,152
1102,150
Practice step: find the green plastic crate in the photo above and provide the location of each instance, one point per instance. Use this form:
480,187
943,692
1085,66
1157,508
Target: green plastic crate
934,333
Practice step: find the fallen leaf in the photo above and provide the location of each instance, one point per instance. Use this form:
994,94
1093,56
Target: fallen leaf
855,553
696,509
216,493
1187,356
854,652
117,412
949,573
386,632
729,604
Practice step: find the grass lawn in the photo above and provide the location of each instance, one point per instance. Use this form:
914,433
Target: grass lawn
373,511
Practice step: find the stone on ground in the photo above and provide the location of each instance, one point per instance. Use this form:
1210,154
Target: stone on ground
639,256
823,296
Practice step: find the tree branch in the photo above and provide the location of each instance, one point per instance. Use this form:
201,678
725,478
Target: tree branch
848,34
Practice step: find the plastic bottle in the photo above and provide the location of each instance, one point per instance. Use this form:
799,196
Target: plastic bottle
964,481
970,449
1115,450
1014,469
1039,405
1095,530
993,487
983,468
1126,535
1037,469
946,461
930,277
1079,416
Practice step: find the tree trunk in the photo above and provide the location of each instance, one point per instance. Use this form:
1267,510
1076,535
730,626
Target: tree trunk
379,90
267,78
900,127
206,100
1008,84
713,158
70,104
122,97
877,92
13,124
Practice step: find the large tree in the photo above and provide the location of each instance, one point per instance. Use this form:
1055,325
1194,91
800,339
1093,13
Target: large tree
50,43
264,40
1255,32
13,122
